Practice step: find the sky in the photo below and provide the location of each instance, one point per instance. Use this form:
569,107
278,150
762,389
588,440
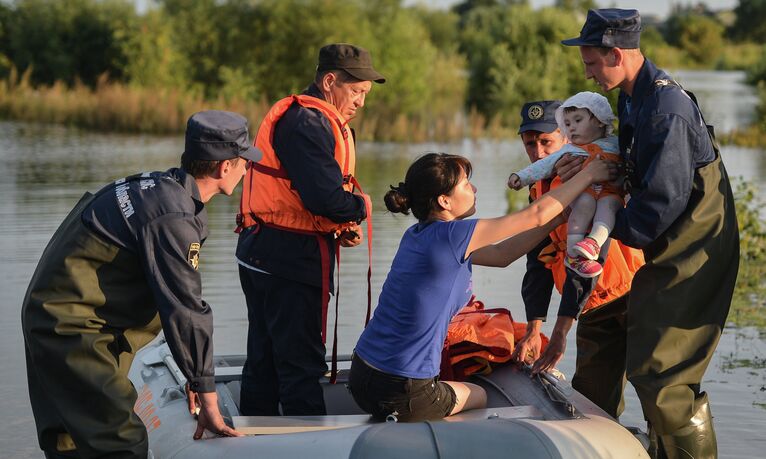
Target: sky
659,8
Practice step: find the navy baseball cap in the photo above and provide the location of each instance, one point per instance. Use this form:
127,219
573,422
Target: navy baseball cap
609,28
215,135
539,116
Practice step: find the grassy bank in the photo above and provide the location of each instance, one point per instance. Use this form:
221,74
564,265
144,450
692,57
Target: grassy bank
116,107
109,107
749,302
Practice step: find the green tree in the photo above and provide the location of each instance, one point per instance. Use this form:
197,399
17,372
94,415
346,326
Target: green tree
700,36
702,39
67,39
5,63
442,27
576,5
152,57
750,22
514,55
199,32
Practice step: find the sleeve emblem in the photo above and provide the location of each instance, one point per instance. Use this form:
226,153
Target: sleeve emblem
193,256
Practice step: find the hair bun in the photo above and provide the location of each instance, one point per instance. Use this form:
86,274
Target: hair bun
397,200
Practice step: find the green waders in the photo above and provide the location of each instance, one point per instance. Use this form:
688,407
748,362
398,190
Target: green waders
676,312
88,309
600,369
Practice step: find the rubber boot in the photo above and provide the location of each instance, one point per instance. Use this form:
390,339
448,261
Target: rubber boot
696,440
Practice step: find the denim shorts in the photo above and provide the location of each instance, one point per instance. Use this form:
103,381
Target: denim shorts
409,400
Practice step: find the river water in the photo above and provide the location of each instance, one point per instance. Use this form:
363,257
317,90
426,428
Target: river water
47,168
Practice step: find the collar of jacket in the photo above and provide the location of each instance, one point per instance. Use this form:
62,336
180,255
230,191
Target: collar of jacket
313,91
189,184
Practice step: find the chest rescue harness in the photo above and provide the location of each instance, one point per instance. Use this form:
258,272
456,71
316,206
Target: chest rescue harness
620,265
269,199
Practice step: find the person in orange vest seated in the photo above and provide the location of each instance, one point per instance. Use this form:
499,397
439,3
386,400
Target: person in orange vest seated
600,303
395,367
299,204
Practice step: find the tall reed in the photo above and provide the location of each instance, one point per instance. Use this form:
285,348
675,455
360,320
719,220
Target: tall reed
124,108
111,106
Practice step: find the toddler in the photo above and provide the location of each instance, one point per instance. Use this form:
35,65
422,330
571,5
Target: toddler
586,120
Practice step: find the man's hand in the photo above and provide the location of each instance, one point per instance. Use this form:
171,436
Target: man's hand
514,182
556,346
527,350
351,237
193,399
210,417
553,353
568,166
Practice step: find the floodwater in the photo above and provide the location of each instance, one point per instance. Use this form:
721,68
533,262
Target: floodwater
47,168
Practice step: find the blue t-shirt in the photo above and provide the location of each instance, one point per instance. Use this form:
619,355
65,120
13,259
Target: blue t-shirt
429,282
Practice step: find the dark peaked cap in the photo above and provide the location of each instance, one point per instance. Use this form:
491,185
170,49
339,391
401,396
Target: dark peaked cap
539,116
609,28
356,61
215,135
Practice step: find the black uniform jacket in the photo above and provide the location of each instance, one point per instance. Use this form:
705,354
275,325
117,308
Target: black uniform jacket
159,216
305,145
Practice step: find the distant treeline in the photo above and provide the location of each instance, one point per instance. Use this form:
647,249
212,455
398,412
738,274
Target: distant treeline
451,73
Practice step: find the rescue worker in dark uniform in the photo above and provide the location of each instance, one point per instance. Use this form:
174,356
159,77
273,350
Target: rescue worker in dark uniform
298,205
120,268
599,304
681,213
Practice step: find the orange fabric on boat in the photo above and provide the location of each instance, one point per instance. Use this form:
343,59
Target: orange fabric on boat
477,338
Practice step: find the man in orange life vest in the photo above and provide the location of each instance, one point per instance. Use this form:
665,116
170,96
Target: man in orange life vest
599,302
298,206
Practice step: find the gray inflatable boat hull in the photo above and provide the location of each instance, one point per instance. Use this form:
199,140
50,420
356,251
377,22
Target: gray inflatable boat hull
526,418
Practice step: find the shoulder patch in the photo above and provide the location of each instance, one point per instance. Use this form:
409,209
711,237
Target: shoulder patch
193,256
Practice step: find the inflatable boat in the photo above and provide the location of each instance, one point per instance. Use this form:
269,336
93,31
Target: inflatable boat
526,417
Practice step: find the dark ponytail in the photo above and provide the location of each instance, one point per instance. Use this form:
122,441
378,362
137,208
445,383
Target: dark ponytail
429,177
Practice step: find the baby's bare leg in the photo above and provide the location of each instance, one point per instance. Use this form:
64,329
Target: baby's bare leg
583,209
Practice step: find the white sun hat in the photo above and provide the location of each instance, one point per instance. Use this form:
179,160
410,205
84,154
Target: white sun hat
596,103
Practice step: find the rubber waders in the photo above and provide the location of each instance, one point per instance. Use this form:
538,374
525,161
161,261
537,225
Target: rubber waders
695,440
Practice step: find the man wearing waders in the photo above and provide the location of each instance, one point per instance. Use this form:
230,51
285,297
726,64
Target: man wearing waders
121,267
681,213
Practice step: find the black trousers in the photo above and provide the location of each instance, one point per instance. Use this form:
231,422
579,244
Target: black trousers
285,352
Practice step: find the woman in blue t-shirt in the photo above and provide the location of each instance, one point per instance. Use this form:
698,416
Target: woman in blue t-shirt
396,362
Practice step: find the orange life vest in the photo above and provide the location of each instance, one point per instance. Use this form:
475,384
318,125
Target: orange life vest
620,266
268,198
478,337
267,194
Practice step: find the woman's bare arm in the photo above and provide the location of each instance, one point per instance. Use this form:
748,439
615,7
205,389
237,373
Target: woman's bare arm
542,211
